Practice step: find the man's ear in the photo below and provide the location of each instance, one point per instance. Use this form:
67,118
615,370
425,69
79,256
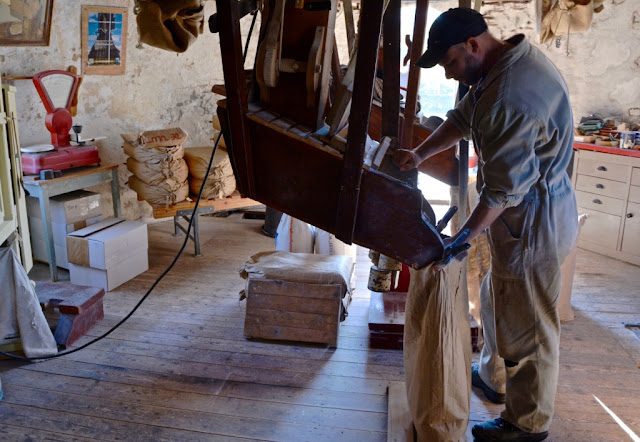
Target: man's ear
473,45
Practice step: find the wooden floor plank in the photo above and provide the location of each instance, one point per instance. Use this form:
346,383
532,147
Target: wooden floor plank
399,422
217,387
29,423
186,401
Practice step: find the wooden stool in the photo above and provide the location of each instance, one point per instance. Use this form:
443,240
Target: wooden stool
80,308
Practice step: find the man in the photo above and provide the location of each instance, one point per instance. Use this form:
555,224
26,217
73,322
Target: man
519,117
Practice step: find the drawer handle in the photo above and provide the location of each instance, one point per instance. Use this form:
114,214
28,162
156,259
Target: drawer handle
599,186
629,215
597,201
602,168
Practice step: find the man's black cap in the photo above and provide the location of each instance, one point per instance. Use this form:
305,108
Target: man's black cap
450,28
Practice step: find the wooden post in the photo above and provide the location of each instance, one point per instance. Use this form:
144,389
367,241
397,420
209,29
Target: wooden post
391,70
368,41
463,167
350,25
463,155
336,69
413,83
236,90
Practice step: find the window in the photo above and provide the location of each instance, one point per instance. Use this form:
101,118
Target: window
436,95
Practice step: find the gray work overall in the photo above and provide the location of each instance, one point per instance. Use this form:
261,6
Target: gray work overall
519,118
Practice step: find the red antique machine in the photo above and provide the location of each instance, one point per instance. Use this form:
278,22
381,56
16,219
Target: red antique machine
57,90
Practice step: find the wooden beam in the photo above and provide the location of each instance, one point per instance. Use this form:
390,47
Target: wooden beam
413,83
350,25
391,70
369,38
235,88
323,90
463,156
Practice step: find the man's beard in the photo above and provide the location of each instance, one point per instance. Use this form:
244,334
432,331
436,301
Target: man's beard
472,71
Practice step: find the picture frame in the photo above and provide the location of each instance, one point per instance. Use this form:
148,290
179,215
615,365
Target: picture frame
25,22
104,40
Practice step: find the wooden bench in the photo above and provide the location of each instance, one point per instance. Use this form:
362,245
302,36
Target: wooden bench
80,308
184,210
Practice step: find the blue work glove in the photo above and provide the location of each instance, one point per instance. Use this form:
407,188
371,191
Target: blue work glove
456,250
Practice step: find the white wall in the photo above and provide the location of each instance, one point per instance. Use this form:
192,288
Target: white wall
161,89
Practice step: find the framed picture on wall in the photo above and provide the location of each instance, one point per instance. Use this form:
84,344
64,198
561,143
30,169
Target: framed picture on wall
104,40
25,22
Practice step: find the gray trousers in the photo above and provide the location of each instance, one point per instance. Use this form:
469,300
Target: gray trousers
519,299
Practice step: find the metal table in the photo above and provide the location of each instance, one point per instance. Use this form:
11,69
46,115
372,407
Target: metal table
71,180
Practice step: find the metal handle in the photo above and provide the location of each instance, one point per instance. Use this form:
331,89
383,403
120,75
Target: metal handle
446,218
599,186
602,168
597,201
629,215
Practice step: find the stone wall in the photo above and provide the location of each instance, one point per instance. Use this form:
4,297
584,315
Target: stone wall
601,66
161,89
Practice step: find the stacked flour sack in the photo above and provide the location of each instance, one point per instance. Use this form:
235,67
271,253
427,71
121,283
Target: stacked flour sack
220,182
156,159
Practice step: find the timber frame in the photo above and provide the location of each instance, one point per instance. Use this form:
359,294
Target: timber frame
287,166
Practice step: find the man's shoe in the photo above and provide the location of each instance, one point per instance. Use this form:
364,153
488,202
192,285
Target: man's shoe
476,381
499,430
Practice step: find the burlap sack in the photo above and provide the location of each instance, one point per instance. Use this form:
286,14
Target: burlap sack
221,144
163,137
197,159
157,155
172,25
174,171
300,267
437,353
166,194
214,188
215,121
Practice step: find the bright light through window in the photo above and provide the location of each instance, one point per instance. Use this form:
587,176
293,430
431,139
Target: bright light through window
436,93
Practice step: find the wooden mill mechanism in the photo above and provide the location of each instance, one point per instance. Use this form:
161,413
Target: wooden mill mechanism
300,149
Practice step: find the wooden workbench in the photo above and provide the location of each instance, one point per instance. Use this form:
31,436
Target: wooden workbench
185,210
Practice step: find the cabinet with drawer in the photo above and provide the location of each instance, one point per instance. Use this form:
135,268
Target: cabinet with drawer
608,189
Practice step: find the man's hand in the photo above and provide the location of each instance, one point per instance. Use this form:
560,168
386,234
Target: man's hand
406,159
454,247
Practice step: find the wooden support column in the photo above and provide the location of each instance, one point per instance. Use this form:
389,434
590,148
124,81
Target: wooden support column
413,83
350,25
368,41
336,69
236,90
391,70
463,154
463,167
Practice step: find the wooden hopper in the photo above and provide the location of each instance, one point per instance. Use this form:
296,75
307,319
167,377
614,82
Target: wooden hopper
286,163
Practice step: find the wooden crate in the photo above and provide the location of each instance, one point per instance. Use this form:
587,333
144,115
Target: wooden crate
293,311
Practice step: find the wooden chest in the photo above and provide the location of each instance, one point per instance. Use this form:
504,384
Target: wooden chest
293,311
